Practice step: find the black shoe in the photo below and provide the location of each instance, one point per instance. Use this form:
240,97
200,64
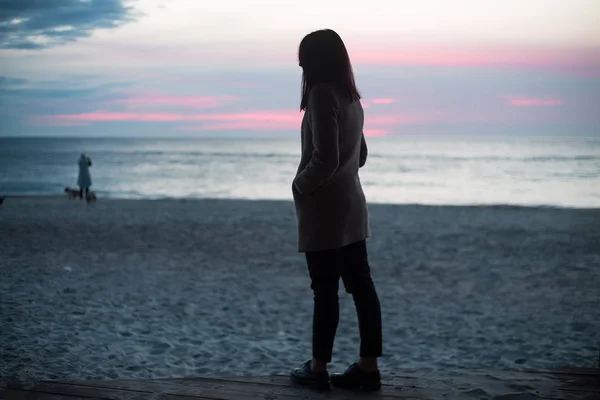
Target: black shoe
306,377
355,378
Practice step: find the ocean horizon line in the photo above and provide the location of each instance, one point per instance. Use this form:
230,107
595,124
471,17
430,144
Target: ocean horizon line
293,135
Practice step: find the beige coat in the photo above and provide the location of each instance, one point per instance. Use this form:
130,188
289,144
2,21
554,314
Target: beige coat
329,200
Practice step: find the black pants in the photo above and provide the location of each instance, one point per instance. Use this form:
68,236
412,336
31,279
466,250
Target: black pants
81,190
352,265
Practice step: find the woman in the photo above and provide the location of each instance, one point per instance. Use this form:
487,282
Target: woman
333,222
84,180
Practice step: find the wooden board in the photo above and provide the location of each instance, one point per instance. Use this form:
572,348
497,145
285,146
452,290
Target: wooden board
550,385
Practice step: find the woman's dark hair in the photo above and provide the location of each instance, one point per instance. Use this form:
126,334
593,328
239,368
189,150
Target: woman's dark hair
324,59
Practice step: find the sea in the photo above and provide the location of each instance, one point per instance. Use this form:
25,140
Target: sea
537,171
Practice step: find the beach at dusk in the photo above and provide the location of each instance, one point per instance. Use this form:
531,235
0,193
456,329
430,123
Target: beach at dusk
183,183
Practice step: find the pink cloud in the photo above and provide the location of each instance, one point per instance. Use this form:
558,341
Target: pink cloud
581,61
278,118
584,61
383,101
375,132
193,102
258,120
532,102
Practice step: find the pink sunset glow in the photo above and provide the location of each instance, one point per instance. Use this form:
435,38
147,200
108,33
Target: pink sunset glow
417,65
193,102
532,102
291,117
375,132
383,101
376,125
570,61
101,116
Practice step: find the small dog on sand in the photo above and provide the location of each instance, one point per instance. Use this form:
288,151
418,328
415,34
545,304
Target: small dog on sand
2,200
90,197
72,193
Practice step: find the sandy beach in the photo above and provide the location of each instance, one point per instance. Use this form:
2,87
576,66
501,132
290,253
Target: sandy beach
170,288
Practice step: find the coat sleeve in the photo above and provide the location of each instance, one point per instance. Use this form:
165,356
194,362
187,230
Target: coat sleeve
363,152
323,112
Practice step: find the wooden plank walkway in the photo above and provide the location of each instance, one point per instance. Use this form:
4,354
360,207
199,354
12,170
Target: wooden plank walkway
572,384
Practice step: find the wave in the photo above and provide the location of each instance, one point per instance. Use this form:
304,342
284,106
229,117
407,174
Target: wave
488,158
196,154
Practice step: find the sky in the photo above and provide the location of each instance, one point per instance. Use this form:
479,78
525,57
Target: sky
92,68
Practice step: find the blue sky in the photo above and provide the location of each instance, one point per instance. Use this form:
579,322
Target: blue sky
196,68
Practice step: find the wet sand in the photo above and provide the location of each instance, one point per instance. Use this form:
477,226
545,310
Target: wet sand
166,288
